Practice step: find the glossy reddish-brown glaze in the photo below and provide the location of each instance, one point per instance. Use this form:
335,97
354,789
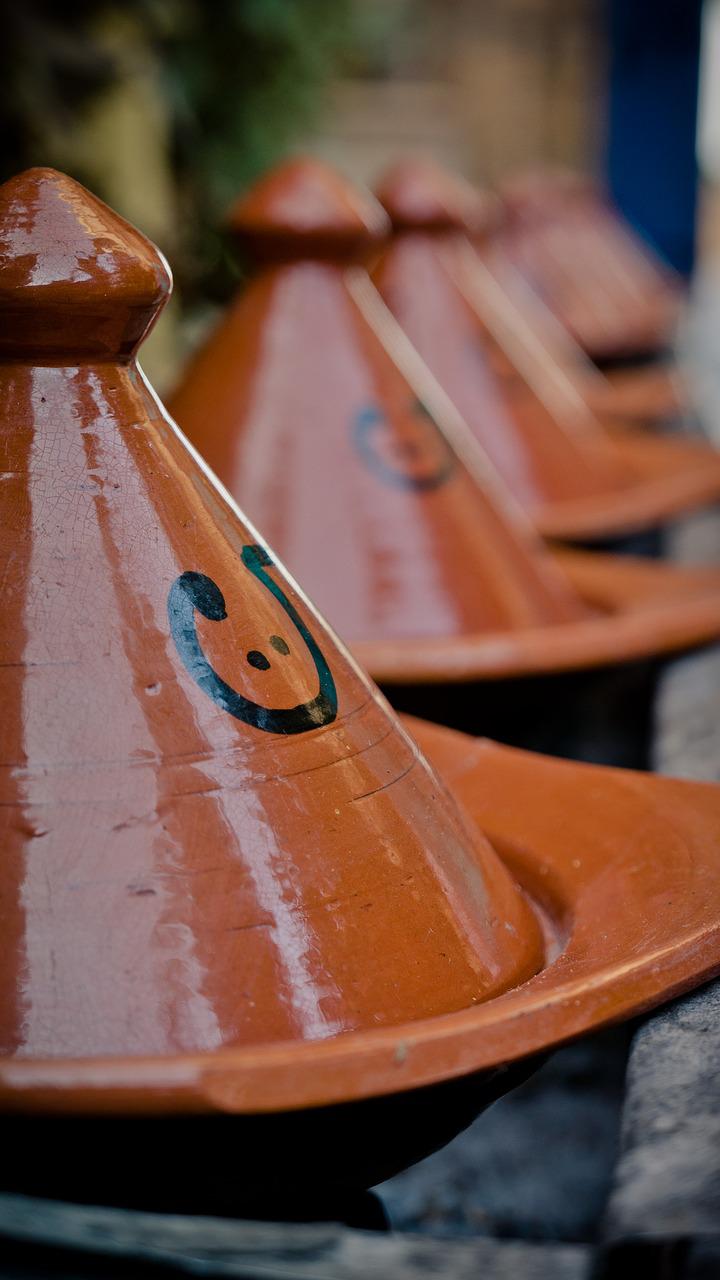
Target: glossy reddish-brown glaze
421,562
608,289
646,394
639,608
641,393
524,386
418,192
333,439
202,910
538,457
421,196
183,870
74,277
624,867
304,201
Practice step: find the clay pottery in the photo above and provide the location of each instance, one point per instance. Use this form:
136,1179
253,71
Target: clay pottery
232,885
636,392
604,284
199,782
647,393
511,371
313,409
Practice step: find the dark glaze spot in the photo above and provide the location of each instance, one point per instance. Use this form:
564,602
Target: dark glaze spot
258,660
280,645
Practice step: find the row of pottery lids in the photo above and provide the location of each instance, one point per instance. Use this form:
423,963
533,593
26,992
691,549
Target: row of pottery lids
611,293
405,485
231,880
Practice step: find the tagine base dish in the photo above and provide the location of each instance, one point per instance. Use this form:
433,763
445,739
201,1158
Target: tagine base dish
330,1155
621,867
674,475
648,394
644,609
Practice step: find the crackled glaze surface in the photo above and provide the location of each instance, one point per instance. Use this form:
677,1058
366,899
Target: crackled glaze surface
230,880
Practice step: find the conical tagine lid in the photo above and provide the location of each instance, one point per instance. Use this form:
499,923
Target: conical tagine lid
633,394
505,365
216,831
422,196
608,288
317,414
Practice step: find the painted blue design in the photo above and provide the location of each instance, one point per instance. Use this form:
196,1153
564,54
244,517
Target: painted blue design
423,460
195,591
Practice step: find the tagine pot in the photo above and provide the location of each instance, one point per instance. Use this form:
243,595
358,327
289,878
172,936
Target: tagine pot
323,422
599,255
610,291
256,951
520,382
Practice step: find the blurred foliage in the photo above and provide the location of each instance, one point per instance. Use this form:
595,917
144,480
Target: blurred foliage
242,80
245,78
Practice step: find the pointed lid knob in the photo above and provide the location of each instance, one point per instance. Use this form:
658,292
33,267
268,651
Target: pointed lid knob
303,208
535,193
76,280
418,194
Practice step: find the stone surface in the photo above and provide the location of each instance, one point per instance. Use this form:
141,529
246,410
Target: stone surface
667,1181
220,1247
537,1165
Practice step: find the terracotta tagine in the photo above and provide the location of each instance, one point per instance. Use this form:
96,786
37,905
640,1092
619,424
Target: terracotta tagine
644,394
641,391
313,409
605,285
648,393
231,884
507,369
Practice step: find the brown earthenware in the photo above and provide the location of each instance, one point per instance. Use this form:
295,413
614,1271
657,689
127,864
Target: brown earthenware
605,285
509,372
230,880
646,394
321,420
643,394
216,831
622,868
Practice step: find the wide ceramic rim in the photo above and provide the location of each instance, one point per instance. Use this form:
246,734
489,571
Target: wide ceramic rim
618,635
651,501
559,1003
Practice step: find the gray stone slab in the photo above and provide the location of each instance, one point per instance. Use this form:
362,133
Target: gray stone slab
220,1247
667,1180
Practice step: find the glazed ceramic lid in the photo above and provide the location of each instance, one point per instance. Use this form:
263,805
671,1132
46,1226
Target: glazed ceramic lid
540,460
507,366
610,290
326,428
216,833
311,406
